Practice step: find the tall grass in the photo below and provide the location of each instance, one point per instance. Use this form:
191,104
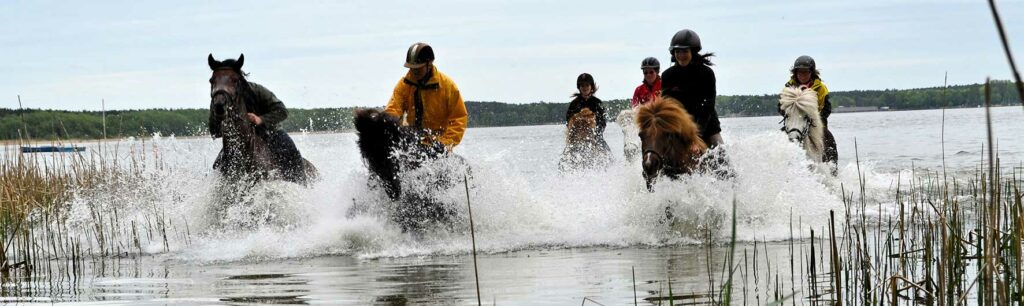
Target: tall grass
41,235
935,240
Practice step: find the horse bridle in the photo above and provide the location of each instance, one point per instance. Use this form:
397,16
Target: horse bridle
803,132
665,168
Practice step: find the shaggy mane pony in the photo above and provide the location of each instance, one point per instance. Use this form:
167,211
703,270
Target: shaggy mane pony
581,126
665,115
584,147
803,102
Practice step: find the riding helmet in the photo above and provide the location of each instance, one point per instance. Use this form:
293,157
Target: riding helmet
419,55
650,63
685,39
804,62
585,78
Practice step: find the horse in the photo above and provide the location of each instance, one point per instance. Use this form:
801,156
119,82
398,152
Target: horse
584,147
802,124
669,139
245,155
390,151
630,139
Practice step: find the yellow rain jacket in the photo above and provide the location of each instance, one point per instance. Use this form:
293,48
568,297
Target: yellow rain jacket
443,112
818,87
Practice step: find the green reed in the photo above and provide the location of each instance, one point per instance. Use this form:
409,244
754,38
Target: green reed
40,241
936,239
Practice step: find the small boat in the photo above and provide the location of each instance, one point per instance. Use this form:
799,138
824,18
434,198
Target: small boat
51,149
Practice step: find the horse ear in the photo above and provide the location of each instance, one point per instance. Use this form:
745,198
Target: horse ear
240,62
212,62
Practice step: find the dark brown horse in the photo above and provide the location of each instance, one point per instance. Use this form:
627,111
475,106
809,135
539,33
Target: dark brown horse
669,139
391,151
388,147
245,155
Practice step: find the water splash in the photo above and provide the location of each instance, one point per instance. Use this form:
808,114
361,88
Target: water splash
516,206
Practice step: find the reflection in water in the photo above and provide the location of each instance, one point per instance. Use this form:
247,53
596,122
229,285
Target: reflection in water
391,300
287,300
275,288
434,283
528,277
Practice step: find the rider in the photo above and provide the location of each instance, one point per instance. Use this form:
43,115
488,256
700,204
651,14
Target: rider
691,81
651,84
585,99
805,75
266,112
429,100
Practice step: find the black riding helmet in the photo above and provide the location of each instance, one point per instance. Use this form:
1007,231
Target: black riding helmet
419,54
586,78
804,62
685,39
650,63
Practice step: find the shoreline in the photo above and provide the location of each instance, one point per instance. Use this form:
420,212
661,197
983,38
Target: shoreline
19,142
35,142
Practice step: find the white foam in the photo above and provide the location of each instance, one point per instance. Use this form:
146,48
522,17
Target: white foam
517,203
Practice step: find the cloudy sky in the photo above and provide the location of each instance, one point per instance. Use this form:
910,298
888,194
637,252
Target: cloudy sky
148,54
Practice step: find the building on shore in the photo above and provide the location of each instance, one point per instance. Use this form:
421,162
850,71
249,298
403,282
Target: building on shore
857,109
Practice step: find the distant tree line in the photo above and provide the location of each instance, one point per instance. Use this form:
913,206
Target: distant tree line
58,124
956,96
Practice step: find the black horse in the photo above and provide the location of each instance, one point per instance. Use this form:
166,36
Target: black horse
245,154
391,152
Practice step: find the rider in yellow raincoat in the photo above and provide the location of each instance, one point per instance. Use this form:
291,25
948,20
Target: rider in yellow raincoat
428,100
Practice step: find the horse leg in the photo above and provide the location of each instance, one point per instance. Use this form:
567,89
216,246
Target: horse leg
831,155
716,162
308,170
420,211
218,164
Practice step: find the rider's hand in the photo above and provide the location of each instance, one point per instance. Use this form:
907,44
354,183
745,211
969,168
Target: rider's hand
254,119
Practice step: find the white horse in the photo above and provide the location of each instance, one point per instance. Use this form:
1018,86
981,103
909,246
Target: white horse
801,121
630,135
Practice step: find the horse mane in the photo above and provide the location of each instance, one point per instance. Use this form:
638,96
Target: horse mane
380,134
665,115
804,101
245,92
247,97
581,126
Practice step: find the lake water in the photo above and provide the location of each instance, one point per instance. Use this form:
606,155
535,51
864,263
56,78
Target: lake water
544,237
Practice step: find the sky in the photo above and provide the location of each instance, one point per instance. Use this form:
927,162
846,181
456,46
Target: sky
72,55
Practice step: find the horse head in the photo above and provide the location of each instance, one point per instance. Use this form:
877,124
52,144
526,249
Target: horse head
581,127
227,89
800,119
669,139
380,135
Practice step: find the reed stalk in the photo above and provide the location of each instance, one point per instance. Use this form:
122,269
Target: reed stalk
472,236
1006,49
